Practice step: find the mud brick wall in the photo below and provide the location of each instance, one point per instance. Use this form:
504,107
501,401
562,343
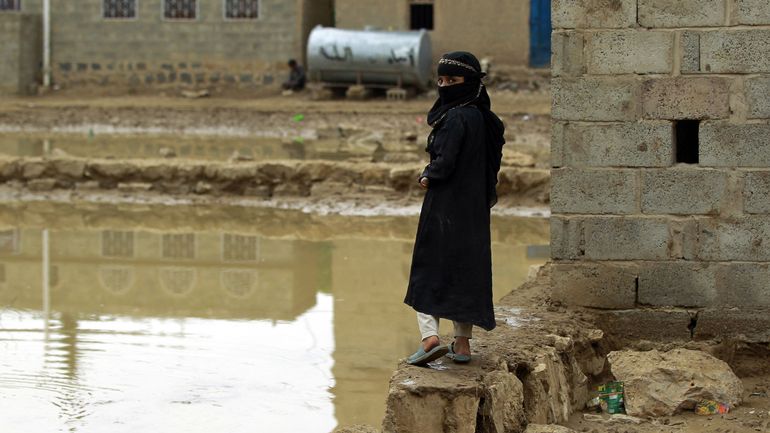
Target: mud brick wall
150,51
20,52
661,162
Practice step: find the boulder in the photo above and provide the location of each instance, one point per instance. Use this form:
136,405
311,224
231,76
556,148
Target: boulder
666,383
547,428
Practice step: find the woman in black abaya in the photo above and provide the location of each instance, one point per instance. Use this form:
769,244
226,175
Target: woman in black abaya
451,273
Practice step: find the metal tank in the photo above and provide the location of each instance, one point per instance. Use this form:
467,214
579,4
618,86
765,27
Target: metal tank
372,58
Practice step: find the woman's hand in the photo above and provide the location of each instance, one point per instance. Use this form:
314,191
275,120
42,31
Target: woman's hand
424,182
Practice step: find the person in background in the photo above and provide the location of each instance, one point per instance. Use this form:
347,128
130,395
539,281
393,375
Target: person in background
451,272
296,77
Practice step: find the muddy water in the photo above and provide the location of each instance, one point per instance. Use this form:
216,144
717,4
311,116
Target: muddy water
193,319
292,146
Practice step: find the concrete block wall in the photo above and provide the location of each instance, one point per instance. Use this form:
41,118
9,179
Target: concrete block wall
635,227
20,52
150,52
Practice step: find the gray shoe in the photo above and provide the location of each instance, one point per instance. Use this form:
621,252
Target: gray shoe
421,357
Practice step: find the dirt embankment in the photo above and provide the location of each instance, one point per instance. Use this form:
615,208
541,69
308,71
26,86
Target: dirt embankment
539,368
378,147
316,180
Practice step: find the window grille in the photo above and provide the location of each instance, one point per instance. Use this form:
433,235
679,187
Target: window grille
239,247
117,244
119,8
178,246
242,9
421,16
10,241
10,5
180,9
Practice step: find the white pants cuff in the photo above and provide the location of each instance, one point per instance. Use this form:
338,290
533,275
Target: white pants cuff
429,327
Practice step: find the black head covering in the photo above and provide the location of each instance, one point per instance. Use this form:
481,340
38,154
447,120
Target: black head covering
470,92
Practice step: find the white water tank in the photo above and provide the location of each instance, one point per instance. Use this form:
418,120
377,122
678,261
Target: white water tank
373,58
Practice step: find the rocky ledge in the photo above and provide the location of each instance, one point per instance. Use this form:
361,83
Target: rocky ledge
521,186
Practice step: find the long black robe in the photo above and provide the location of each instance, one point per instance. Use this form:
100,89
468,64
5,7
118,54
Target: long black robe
451,274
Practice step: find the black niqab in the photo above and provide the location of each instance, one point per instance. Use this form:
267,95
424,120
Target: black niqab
470,92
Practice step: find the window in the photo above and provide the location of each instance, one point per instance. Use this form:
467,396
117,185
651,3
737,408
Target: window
10,5
178,246
180,9
239,247
421,15
686,141
242,9
119,8
117,243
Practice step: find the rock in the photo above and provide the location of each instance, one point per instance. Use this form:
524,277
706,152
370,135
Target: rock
562,344
114,170
517,159
134,187
72,168
167,152
360,428
195,93
8,169
666,383
89,185
41,184
549,428
503,404
32,169
615,419
202,187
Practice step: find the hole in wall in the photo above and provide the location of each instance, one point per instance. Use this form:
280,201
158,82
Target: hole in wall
686,141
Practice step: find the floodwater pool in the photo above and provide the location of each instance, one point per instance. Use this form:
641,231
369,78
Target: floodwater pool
130,318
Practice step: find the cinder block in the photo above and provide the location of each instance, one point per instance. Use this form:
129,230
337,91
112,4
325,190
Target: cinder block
750,326
594,99
746,239
645,324
690,52
593,191
729,145
638,144
567,238
751,12
626,238
683,191
735,51
596,285
756,192
629,52
681,13
686,98
757,89
557,144
677,284
572,14
567,54
744,284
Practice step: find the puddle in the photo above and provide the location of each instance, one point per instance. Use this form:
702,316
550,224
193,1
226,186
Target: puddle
200,319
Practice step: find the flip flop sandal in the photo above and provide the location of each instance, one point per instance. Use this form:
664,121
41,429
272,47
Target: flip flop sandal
456,357
421,357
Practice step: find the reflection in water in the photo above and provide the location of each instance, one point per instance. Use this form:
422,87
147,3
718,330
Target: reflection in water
207,324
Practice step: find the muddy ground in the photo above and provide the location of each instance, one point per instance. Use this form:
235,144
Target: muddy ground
390,134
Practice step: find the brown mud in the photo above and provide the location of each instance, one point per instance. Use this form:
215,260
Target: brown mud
542,364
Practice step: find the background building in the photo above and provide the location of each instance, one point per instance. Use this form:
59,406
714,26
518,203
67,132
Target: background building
134,44
511,32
